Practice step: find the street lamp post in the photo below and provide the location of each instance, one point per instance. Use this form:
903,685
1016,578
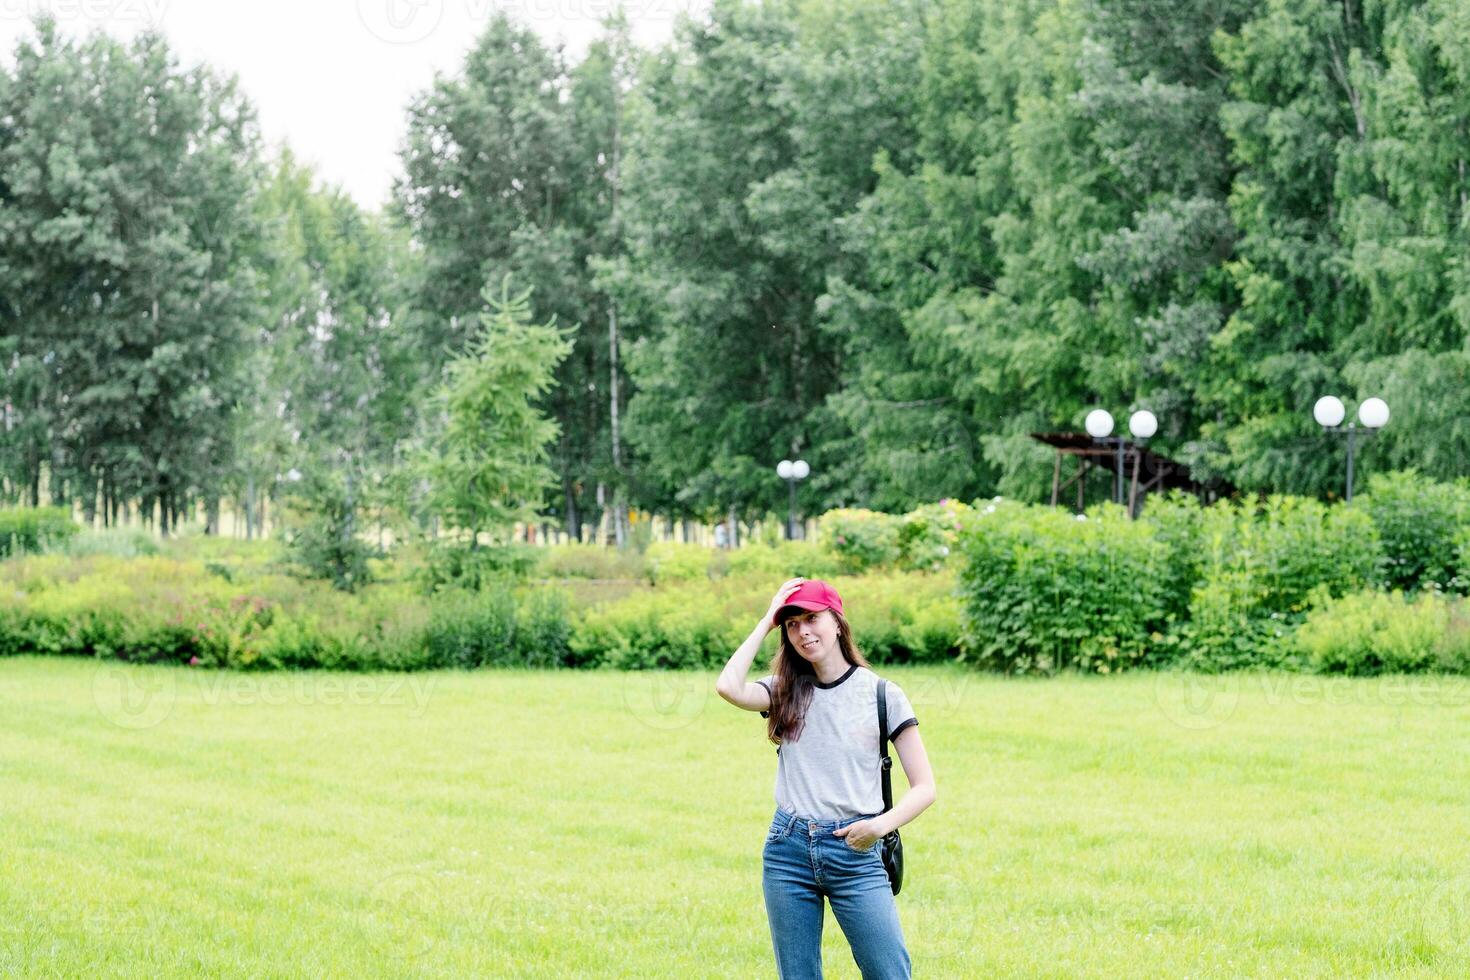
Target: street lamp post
1329,413
791,473
1141,425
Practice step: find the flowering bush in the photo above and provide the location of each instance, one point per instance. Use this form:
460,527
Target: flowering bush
927,534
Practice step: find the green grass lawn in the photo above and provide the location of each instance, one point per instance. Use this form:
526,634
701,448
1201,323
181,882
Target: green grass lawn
164,822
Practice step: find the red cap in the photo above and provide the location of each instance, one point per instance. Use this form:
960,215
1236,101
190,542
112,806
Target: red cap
811,594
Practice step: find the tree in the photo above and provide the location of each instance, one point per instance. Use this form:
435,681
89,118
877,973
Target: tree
728,365
126,244
508,169
490,468
340,368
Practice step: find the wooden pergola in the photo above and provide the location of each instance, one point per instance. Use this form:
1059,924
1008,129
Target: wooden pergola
1144,470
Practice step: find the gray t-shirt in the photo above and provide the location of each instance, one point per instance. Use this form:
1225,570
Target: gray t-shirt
832,771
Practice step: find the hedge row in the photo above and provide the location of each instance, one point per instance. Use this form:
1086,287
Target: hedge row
1209,588
188,611
1286,581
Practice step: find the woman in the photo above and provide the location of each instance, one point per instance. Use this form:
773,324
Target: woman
821,703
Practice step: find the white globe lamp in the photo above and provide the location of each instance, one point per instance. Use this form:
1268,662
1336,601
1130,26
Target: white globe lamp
1329,411
1373,413
1099,423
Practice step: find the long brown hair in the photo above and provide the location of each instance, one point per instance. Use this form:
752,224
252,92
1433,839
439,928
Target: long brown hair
795,679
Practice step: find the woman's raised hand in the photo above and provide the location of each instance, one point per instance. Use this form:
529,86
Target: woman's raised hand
782,594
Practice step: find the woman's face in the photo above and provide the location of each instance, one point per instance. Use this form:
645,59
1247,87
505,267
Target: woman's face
813,634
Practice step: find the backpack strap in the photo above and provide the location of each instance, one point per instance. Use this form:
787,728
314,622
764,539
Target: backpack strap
887,763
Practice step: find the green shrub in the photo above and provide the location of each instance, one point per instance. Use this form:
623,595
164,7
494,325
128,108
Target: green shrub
860,539
1302,545
591,561
321,550
658,630
904,618
165,610
787,559
1373,632
927,534
263,555
544,633
1419,522
895,618
1257,571
455,565
667,561
1042,589
640,533
471,629
1460,582
770,530
496,629
1179,520
121,542
1227,628
27,530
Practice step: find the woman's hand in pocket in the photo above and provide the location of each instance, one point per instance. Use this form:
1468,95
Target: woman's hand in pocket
860,836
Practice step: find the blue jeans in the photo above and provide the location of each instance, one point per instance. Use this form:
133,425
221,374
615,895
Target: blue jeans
802,862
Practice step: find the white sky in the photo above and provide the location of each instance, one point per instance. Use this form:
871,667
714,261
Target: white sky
332,77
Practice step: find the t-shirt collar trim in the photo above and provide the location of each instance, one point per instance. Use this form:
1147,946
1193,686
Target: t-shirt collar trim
839,680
